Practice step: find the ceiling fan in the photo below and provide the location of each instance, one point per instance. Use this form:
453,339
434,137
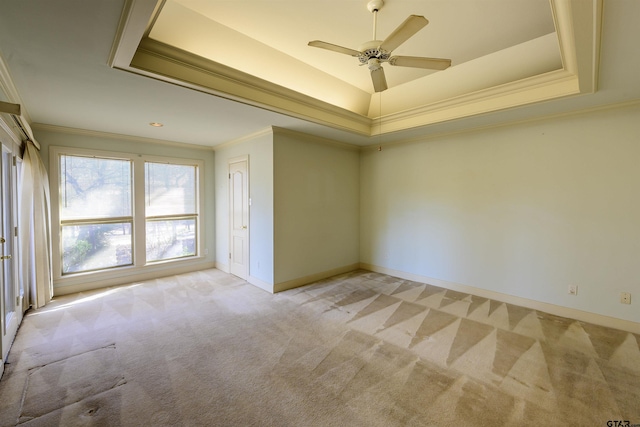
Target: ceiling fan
375,52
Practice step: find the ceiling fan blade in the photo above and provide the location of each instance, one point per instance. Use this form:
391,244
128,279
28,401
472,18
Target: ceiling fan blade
334,48
378,79
420,62
409,27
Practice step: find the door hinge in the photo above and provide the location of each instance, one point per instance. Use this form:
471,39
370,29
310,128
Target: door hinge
229,176
15,231
229,255
14,161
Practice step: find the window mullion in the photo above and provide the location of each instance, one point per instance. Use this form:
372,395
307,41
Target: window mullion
139,212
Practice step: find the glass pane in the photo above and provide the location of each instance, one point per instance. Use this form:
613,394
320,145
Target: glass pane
96,246
170,189
171,239
94,188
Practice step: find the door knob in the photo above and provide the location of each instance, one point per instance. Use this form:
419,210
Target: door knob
2,240
244,227
5,257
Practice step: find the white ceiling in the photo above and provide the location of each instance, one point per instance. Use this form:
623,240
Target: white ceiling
58,53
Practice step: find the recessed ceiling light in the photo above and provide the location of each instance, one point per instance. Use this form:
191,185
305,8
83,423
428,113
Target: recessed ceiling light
156,124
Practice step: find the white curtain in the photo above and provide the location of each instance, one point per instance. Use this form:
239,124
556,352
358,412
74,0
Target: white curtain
35,229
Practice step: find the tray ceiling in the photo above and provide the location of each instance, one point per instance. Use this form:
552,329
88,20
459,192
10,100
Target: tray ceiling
504,53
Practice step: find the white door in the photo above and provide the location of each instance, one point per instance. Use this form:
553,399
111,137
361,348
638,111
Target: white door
10,295
239,217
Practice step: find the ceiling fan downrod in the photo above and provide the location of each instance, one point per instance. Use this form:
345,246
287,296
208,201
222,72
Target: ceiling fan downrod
374,6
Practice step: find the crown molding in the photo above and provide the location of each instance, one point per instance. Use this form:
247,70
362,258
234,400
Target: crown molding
579,30
566,114
314,138
8,88
544,87
266,131
275,130
136,18
159,60
118,136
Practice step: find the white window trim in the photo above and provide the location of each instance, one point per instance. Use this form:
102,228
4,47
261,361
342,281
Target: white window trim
140,265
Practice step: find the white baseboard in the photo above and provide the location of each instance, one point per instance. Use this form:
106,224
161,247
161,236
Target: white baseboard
222,267
260,284
572,313
251,279
290,284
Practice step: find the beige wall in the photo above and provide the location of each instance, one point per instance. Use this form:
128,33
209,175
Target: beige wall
316,203
304,207
523,210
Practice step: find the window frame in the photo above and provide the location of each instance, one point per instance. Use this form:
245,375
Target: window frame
139,219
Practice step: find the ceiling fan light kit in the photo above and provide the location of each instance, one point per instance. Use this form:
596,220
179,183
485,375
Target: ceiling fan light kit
373,53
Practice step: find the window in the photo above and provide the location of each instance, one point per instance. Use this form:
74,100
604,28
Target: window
170,196
96,214
122,210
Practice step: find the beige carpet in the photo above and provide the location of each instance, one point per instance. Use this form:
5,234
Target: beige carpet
360,349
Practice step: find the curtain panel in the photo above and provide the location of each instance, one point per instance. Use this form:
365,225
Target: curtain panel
35,230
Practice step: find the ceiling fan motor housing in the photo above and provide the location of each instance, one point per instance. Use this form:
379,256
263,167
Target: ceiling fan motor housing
372,50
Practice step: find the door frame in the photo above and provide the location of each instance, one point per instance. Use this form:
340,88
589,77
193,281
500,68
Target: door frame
246,205
11,247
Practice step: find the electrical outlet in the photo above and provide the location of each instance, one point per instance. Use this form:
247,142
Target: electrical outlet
625,298
573,290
